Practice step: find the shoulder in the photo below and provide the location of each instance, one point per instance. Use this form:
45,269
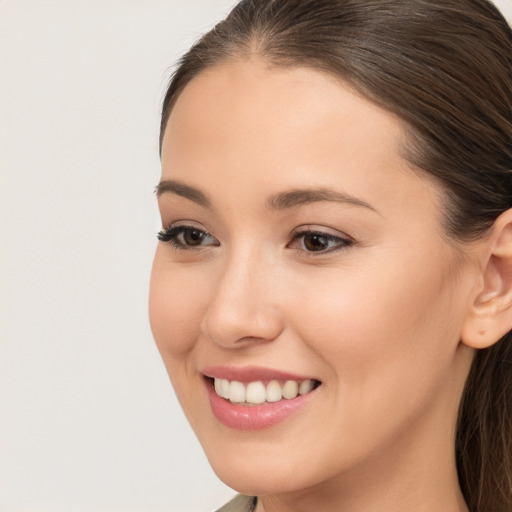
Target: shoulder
239,503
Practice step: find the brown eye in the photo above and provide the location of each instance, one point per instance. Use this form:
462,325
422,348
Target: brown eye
192,236
316,242
319,242
186,237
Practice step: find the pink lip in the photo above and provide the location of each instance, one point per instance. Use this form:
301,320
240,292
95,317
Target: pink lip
255,417
250,374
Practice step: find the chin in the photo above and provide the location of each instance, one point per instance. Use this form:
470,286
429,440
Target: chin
260,469
257,480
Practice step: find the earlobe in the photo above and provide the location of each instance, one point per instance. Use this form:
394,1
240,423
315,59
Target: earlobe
490,317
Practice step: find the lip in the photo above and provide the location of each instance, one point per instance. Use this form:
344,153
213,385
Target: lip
251,374
253,417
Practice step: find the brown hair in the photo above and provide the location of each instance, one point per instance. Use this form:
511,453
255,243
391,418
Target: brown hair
445,68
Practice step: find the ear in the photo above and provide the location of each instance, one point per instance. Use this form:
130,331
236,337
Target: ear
490,317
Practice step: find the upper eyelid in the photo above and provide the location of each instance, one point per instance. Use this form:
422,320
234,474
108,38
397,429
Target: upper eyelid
184,227
325,231
184,224
297,231
346,240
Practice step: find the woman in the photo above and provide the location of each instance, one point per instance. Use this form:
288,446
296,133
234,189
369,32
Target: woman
332,294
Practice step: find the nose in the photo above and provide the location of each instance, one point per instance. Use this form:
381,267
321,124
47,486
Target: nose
244,307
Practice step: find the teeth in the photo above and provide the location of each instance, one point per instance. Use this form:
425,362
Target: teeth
224,388
274,391
236,392
257,393
290,389
305,387
217,384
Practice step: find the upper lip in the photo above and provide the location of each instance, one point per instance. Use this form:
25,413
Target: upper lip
250,373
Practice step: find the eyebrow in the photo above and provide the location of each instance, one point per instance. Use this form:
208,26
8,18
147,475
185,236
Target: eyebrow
300,197
180,189
281,201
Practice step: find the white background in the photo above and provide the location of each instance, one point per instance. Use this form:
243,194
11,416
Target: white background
88,420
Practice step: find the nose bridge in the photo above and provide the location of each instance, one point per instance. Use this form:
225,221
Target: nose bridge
242,306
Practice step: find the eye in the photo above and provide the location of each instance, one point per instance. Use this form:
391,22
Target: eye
319,242
186,237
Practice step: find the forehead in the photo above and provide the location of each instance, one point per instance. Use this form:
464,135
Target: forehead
246,122
262,101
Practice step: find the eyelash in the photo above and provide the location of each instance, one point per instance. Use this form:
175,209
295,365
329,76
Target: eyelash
341,243
172,234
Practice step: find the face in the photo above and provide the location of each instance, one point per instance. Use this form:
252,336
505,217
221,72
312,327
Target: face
299,250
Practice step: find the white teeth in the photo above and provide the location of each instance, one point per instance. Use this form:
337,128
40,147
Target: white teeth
305,387
274,391
217,383
224,388
256,392
237,392
290,389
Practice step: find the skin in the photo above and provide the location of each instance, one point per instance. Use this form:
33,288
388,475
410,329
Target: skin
377,320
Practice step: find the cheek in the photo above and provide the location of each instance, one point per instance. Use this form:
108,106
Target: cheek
379,328
385,346
176,306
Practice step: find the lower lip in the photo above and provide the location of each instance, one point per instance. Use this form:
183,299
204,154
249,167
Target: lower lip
254,417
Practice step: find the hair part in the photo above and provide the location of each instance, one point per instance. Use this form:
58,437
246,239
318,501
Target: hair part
444,67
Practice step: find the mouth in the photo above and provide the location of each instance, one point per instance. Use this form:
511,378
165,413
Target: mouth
261,391
252,398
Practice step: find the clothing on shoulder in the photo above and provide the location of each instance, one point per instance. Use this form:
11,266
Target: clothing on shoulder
240,503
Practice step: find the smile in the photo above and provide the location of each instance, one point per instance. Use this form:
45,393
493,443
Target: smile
256,398
257,392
